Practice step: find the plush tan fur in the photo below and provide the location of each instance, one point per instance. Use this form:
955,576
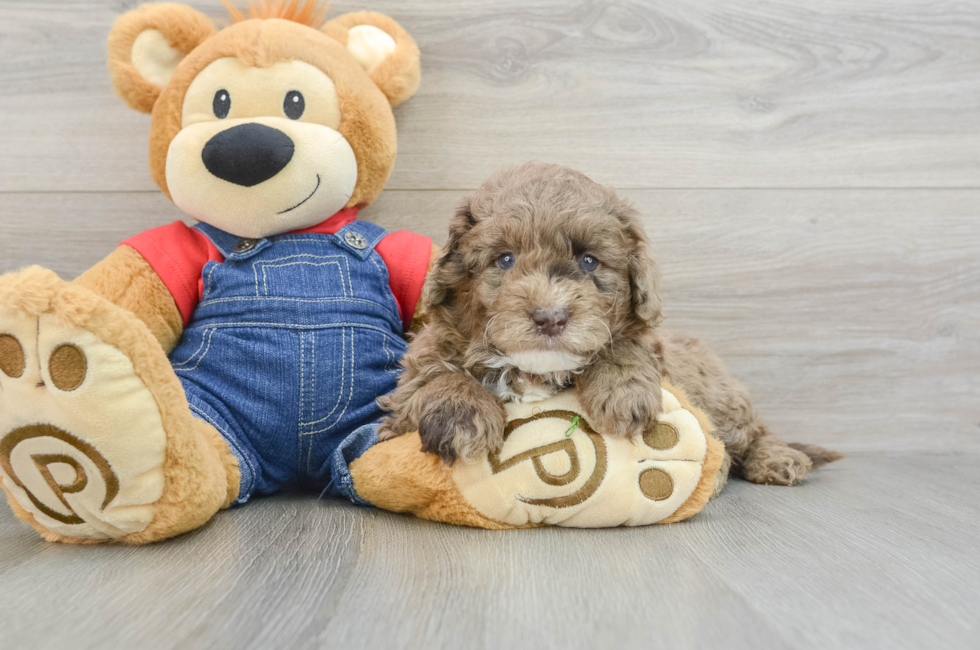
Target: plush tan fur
365,100
201,474
399,75
125,279
396,475
184,28
712,473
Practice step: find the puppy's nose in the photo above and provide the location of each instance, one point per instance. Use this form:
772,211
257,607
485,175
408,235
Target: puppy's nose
550,322
248,154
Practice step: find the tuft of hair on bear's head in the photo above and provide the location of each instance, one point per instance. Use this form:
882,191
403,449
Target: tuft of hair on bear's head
312,13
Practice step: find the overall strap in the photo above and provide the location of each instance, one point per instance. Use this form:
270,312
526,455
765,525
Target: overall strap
232,247
360,237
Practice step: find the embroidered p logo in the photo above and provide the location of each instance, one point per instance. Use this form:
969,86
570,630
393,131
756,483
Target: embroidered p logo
554,469
566,446
48,463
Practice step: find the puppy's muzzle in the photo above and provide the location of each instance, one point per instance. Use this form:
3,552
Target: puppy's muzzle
550,322
248,154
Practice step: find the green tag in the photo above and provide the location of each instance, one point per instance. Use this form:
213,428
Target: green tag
573,427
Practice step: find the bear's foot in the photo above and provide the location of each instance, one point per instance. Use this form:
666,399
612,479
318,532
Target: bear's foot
96,440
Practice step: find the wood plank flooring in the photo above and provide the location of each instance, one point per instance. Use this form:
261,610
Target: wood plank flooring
810,176
877,551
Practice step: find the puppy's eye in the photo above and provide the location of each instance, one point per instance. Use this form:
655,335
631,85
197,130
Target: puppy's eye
588,263
294,105
505,261
221,104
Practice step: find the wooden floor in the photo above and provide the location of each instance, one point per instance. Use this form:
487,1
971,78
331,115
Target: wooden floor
810,176
875,552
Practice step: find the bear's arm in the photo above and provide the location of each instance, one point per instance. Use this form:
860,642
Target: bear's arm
125,279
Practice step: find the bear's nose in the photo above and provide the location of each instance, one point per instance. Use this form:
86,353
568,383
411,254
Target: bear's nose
248,154
550,322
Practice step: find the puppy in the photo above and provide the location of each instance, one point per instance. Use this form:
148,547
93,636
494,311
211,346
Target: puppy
546,283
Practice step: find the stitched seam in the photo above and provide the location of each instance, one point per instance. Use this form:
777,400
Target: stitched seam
199,348
265,279
201,358
232,442
207,281
387,291
350,395
358,301
299,325
292,257
340,393
384,346
302,387
264,263
309,453
322,241
392,357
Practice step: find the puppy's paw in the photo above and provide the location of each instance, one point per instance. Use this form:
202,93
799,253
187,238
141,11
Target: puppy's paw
388,430
455,429
775,464
626,411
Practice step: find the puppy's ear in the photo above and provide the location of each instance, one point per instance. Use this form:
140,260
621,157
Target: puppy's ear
645,299
146,45
449,269
385,51
645,284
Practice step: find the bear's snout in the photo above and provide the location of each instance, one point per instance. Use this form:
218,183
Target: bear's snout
248,154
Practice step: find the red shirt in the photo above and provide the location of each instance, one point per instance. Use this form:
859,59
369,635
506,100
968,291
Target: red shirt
178,255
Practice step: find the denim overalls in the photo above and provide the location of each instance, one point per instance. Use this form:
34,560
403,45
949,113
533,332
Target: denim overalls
294,338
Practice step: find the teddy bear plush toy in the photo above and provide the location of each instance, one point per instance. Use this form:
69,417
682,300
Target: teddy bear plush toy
197,367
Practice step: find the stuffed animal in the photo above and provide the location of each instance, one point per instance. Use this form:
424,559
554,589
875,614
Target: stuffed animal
283,316
554,469
195,368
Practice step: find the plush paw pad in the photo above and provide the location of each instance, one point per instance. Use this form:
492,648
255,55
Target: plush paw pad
82,443
555,468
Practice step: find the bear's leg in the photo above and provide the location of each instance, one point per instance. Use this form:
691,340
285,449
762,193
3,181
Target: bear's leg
97,442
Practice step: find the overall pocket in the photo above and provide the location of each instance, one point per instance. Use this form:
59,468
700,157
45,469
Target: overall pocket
193,348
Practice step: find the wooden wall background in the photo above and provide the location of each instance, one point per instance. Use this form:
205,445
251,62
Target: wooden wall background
810,174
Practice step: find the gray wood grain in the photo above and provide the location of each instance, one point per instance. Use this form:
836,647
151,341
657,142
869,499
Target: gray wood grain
853,315
876,551
863,93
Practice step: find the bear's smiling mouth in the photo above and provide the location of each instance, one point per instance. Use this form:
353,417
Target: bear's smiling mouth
306,199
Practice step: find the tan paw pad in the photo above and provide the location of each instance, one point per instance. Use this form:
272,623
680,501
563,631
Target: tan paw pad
82,443
555,469
12,359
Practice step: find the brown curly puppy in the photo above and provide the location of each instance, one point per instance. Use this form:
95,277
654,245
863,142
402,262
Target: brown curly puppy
545,283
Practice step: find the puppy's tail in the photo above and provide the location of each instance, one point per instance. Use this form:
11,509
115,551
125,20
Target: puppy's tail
817,454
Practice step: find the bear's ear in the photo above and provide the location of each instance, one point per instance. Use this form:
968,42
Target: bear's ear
145,46
384,50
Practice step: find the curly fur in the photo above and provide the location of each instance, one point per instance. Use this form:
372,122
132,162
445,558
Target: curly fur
467,360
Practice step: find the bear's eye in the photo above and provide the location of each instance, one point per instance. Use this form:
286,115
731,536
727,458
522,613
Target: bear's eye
221,104
588,263
294,105
505,261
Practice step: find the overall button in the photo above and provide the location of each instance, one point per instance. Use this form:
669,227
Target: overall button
245,245
355,239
